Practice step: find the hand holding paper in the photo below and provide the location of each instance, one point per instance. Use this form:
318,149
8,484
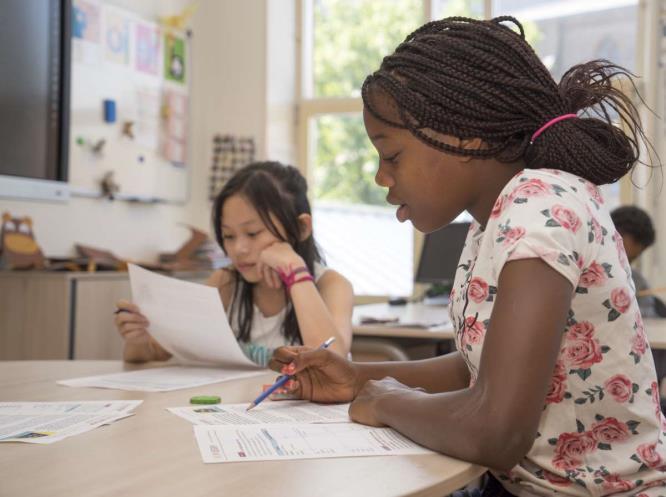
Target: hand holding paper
187,319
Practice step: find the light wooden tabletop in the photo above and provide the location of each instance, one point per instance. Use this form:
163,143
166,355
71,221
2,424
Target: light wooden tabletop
154,453
413,317
414,320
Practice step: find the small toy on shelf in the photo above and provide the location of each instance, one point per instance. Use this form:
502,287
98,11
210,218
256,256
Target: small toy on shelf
18,247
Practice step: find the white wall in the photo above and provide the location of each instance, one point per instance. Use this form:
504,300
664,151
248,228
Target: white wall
228,95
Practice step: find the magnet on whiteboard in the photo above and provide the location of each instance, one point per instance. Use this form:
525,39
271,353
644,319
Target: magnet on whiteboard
109,111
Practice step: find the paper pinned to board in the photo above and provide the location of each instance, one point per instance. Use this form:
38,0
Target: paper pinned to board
187,319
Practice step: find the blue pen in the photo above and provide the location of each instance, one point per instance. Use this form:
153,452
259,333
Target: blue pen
282,381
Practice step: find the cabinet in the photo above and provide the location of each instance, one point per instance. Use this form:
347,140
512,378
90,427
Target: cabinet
64,315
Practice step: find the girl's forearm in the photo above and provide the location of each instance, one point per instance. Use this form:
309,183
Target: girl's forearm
440,374
144,351
460,424
314,319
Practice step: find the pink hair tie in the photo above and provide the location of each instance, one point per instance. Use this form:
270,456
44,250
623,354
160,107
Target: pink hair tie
549,124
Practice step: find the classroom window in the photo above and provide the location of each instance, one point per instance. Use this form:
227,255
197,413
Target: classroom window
344,41
354,225
350,37
466,8
568,32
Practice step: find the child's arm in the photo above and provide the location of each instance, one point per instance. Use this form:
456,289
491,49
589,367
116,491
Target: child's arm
325,310
330,378
494,422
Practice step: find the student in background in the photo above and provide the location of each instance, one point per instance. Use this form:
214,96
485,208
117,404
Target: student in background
635,226
276,291
552,385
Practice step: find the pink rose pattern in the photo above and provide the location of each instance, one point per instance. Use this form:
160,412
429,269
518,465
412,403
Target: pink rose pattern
593,275
617,441
478,290
558,384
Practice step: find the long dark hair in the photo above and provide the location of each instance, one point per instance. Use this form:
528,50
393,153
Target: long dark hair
271,188
480,79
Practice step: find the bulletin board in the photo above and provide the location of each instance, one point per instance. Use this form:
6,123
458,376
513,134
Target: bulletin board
129,105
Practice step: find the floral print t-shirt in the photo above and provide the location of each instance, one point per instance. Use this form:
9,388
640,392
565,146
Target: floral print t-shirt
600,431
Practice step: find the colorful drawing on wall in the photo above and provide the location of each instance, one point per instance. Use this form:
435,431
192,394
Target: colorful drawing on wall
116,37
147,48
85,21
174,58
148,117
174,129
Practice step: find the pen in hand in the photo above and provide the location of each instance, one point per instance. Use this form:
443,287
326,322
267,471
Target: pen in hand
282,381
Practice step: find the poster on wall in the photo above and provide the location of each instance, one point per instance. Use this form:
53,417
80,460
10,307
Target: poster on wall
85,32
85,21
174,129
116,37
174,58
147,48
147,119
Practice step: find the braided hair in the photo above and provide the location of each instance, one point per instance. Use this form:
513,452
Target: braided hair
473,78
273,189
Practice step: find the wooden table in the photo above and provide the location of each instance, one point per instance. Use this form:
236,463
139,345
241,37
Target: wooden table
427,314
412,321
154,453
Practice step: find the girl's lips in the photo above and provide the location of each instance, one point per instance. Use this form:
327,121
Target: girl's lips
402,213
244,267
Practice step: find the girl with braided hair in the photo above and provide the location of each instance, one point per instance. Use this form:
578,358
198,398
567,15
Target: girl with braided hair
552,385
276,292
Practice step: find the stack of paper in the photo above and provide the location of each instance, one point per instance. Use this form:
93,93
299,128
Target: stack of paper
48,422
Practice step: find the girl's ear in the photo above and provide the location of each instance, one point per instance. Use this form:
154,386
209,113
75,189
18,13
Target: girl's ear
470,144
305,225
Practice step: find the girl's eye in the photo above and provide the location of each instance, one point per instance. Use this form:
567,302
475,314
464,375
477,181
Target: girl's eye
392,159
227,237
253,234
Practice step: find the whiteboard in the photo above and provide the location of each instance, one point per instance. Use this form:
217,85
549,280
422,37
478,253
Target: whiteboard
118,56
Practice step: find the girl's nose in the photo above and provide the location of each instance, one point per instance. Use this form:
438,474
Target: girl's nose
382,178
242,247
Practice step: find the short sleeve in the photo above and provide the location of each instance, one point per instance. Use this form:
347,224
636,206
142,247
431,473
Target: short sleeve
539,218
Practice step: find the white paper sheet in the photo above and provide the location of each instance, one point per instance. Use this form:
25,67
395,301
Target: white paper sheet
161,379
268,412
48,422
299,441
187,319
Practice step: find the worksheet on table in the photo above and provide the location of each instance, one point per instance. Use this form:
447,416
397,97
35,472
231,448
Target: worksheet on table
299,441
